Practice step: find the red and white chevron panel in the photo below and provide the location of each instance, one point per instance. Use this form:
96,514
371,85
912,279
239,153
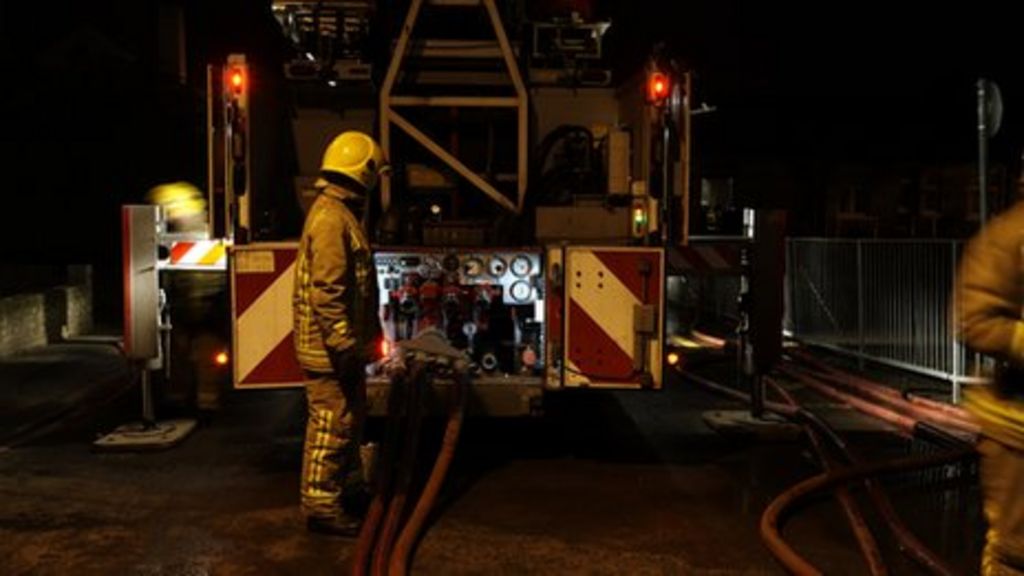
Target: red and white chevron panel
262,276
608,290
706,259
197,255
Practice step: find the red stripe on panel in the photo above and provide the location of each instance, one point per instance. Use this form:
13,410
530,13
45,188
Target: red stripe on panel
625,265
250,285
278,367
596,355
179,250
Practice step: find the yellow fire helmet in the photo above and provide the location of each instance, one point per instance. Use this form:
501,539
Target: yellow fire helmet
181,201
356,158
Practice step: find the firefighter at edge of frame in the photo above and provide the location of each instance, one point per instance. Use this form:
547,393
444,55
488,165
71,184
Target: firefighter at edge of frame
336,327
990,287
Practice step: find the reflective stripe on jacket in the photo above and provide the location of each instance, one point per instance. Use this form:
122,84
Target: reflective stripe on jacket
335,298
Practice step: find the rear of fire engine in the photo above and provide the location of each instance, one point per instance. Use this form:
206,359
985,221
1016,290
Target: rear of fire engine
534,203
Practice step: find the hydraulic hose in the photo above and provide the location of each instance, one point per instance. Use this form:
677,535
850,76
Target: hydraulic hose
770,519
400,557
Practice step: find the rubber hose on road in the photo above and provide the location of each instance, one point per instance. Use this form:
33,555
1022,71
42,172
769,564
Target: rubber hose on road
770,533
877,389
908,542
404,472
384,473
402,554
891,398
858,525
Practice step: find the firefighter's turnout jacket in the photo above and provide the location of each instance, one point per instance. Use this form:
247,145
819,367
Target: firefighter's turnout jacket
335,298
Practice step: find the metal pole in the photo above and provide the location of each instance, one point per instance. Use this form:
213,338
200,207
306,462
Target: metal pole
685,154
982,152
148,415
748,371
668,232
955,376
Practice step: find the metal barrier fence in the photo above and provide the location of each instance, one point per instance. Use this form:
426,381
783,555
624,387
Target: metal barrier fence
889,301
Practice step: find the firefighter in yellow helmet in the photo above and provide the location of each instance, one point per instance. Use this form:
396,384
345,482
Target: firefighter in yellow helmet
336,329
184,206
990,286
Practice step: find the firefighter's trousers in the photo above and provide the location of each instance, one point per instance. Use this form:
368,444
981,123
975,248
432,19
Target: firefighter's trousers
1002,477
330,460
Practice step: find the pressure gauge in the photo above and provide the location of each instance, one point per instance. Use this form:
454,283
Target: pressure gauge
521,266
473,267
496,267
520,291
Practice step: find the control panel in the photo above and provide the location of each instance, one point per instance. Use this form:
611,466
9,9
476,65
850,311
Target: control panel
488,303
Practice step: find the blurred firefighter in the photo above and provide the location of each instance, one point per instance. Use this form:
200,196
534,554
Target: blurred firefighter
196,297
990,286
336,329
183,204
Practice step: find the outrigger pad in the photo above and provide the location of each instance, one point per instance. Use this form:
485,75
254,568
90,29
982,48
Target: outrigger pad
742,423
137,437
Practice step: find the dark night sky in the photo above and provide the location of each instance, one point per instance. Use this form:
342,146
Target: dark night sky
798,85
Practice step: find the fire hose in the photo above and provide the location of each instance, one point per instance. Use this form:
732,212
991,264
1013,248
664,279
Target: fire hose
923,408
909,544
414,525
865,539
403,472
387,539
770,519
906,420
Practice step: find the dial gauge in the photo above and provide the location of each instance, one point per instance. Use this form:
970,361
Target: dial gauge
520,291
521,266
496,266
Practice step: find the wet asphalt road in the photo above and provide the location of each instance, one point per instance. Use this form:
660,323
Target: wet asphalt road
604,483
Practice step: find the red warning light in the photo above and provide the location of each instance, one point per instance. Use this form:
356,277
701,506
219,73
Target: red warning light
658,85
237,78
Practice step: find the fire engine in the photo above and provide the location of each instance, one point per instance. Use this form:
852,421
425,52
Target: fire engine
537,212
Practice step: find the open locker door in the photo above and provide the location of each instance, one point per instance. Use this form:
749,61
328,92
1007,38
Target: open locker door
614,310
